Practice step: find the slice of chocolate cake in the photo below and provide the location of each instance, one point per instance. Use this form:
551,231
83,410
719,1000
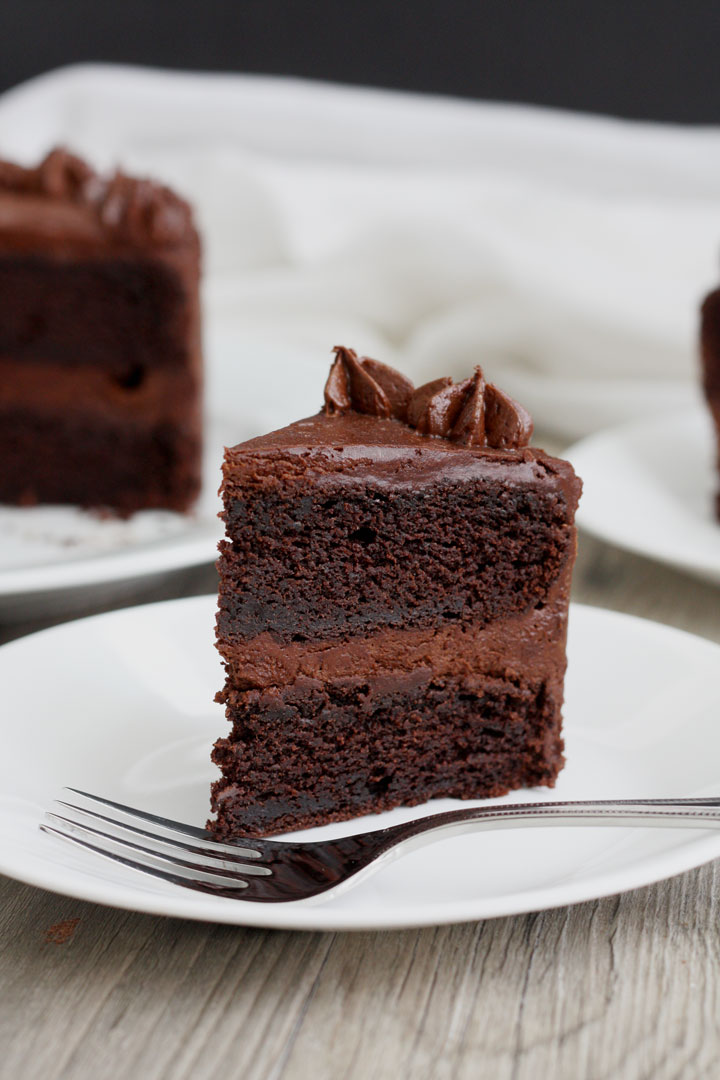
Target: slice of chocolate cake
710,353
100,361
393,604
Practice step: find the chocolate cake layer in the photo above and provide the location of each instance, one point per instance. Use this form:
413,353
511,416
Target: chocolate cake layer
119,314
315,536
318,751
94,463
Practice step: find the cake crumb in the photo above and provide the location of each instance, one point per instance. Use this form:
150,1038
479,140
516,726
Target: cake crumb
62,932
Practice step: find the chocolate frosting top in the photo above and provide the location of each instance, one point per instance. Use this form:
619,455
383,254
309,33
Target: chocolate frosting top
472,412
139,211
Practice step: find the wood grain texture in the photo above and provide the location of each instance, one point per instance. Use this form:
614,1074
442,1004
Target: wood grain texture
626,988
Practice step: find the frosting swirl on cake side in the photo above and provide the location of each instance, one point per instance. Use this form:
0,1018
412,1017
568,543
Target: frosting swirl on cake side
127,208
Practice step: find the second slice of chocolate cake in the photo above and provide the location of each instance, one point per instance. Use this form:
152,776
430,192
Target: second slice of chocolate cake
100,350
393,604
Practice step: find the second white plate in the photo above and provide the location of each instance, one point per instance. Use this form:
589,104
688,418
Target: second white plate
649,487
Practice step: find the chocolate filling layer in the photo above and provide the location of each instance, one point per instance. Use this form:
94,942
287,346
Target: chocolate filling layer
138,393
531,644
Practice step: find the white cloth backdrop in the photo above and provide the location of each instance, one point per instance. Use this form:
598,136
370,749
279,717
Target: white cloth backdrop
567,254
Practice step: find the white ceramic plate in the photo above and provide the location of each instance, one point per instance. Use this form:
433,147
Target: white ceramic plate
121,705
649,487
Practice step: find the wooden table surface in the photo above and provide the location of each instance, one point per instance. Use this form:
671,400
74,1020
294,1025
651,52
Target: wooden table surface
623,987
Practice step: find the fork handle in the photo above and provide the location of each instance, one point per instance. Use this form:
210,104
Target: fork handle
702,813
365,853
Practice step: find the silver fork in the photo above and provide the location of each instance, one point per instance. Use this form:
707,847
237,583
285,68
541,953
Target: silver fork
273,871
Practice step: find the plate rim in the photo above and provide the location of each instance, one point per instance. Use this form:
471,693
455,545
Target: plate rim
317,917
126,564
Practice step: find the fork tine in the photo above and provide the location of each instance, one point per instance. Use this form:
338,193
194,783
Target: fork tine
198,880
219,871
173,828
208,852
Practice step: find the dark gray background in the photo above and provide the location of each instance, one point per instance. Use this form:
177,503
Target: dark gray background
657,59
